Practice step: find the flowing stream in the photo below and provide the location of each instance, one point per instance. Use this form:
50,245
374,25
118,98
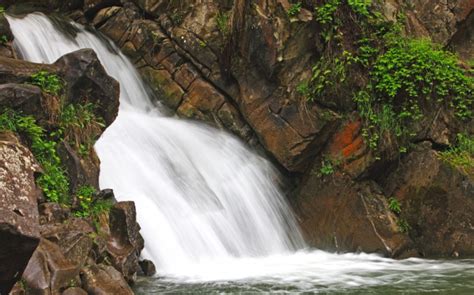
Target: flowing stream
211,212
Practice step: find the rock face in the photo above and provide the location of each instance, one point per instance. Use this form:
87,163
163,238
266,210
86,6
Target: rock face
73,253
437,202
19,228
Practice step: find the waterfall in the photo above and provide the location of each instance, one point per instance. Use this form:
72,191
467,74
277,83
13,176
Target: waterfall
209,208
200,193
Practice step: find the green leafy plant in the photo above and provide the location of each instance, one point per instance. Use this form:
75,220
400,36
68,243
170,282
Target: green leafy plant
2,9
412,70
53,181
88,205
403,226
361,7
325,13
294,9
222,20
462,154
409,75
49,83
394,206
80,126
3,39
326,168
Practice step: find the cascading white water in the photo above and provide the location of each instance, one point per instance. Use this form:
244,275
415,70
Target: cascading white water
208,207
200,193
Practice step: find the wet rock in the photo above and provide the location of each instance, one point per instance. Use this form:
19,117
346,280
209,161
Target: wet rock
437,203
91,7
19,228
337,214
74,237
84,76
147,267
53,213
87,80
125,242
27,98
82,170
103,279
48,271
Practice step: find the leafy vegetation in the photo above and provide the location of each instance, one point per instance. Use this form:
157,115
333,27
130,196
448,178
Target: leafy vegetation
403,225
394,206
88,205
406,78
222,21
79,126
2,9
49,83
327,168
294,9
53,181
462,154
3,39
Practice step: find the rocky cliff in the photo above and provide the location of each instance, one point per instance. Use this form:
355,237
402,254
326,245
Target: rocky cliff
364,106
60,235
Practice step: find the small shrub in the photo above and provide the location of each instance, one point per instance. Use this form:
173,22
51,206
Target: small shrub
325,13
394,205
462,154
294,9
80,126
3,39
360,7
403,226
414,70
408,76
49,83
326,168
88,206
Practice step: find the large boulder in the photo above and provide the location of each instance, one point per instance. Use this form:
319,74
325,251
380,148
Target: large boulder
337,214
437,201
19,227
103,279
48,271
125,242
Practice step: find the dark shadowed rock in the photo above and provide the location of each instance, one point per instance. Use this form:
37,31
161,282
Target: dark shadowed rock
53,213
87,81
437,202
48,270
148,267
81,170
103,280
19,227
